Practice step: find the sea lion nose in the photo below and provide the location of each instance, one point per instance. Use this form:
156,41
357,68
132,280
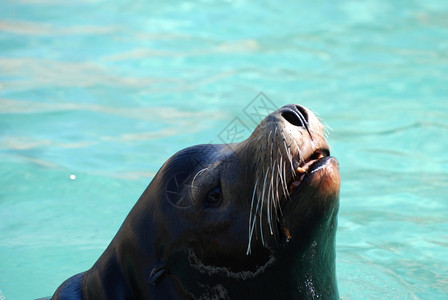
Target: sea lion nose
295,114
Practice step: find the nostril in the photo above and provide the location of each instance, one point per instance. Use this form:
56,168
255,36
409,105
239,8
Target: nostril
296,115
292,117
302,112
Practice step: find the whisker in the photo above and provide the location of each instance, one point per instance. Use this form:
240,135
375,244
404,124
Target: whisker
270,199
277,187
197,174
281,178
255,138
305,123
261,207
298,150
255,215
303,120
194,178
288,153
327,129
250,219
275,197
284,176
259,136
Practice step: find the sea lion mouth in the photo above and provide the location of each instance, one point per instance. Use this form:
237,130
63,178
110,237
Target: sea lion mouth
306,167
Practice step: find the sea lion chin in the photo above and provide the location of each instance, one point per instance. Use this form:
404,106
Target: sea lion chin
254,220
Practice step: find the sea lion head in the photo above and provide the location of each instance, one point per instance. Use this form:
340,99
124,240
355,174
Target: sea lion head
244,211
255,219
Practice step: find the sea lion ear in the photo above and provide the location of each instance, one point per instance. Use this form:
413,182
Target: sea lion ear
156,274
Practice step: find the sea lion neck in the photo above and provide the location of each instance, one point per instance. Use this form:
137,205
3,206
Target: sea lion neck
314,268
305,269
138,253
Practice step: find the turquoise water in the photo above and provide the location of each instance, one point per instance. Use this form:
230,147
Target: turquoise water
106,91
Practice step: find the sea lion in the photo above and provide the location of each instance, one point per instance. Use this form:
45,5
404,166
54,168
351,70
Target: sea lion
251,220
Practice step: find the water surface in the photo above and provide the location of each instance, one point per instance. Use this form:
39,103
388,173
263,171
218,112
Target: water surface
108,90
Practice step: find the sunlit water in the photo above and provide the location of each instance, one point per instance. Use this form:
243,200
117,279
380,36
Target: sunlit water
106,91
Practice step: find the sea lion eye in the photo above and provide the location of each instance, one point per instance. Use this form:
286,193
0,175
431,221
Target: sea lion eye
213,197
